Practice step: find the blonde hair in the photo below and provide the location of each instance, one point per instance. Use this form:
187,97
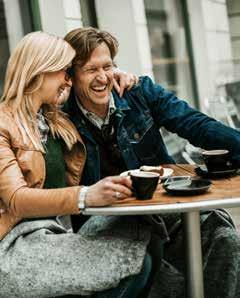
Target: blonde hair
36,54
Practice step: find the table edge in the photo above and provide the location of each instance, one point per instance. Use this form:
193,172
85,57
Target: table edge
163,208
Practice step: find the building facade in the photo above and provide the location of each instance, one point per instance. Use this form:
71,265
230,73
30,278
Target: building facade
190,47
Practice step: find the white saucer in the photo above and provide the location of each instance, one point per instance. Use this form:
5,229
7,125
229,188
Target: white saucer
167,172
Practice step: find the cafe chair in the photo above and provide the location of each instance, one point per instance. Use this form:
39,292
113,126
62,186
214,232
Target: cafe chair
192,154
223,109
220,108
232,90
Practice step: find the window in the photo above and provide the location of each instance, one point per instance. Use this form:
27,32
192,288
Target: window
233,8
170,57
4,46
89,17
17,18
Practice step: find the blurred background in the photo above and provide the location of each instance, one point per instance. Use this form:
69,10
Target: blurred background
190,47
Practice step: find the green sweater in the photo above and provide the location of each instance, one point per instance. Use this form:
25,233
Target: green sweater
55,164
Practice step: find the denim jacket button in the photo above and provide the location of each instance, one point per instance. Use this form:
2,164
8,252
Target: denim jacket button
136,136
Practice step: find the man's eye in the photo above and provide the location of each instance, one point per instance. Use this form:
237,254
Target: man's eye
91,70
108,67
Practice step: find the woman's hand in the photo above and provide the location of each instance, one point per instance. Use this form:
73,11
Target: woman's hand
123,80
108,190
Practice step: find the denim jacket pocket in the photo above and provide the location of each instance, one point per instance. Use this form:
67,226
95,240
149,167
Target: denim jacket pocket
147,143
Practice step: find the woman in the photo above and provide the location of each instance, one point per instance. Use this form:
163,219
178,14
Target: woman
41,154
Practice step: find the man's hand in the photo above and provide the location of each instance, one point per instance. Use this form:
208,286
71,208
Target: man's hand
123,80
108,190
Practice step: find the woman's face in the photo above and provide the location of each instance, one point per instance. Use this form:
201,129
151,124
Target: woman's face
55,87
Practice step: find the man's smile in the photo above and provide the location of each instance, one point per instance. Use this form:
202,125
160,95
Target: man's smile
99,88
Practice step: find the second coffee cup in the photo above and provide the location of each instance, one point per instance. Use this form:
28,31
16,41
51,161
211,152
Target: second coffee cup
216,160
144,184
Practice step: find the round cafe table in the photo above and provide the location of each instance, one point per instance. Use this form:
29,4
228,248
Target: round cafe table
224,193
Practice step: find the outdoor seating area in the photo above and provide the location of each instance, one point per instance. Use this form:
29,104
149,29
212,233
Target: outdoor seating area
120,148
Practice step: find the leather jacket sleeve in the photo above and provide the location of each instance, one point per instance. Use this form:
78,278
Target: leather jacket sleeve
24,201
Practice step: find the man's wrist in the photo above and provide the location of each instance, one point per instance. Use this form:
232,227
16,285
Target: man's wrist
82,197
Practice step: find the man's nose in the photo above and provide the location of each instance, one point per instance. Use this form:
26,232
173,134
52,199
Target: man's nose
102,76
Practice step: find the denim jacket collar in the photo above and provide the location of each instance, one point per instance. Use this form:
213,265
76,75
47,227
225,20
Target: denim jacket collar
72,108
120,102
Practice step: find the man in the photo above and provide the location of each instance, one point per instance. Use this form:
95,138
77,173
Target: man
123,133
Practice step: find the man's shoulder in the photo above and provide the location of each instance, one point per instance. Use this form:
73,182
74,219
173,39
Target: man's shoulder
145,87
144,82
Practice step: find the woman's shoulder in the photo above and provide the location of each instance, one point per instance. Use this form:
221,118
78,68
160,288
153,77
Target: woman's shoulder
6,113
7,121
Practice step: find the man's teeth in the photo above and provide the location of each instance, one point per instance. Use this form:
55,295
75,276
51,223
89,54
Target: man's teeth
99,88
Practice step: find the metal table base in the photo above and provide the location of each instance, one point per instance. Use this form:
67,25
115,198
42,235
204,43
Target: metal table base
193,254
191,226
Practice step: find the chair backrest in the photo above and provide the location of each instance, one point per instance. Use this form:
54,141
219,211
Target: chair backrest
192,154
223,109
233,91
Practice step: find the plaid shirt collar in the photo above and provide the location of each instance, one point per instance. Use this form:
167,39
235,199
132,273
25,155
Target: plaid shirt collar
93,118
42,126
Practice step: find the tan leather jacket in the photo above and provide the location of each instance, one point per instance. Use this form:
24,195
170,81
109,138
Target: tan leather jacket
22,175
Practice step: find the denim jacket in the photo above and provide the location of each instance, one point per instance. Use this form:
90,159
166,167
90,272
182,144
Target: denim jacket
141,112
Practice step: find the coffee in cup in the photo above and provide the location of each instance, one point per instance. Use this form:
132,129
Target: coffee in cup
216,160
144,184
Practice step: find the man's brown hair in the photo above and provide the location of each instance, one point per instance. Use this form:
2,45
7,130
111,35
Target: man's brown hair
86,40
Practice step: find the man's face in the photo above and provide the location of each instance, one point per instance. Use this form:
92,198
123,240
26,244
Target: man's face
94,80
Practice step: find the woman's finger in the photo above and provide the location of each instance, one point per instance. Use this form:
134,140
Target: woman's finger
116,86
120,179
123,84
114,187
